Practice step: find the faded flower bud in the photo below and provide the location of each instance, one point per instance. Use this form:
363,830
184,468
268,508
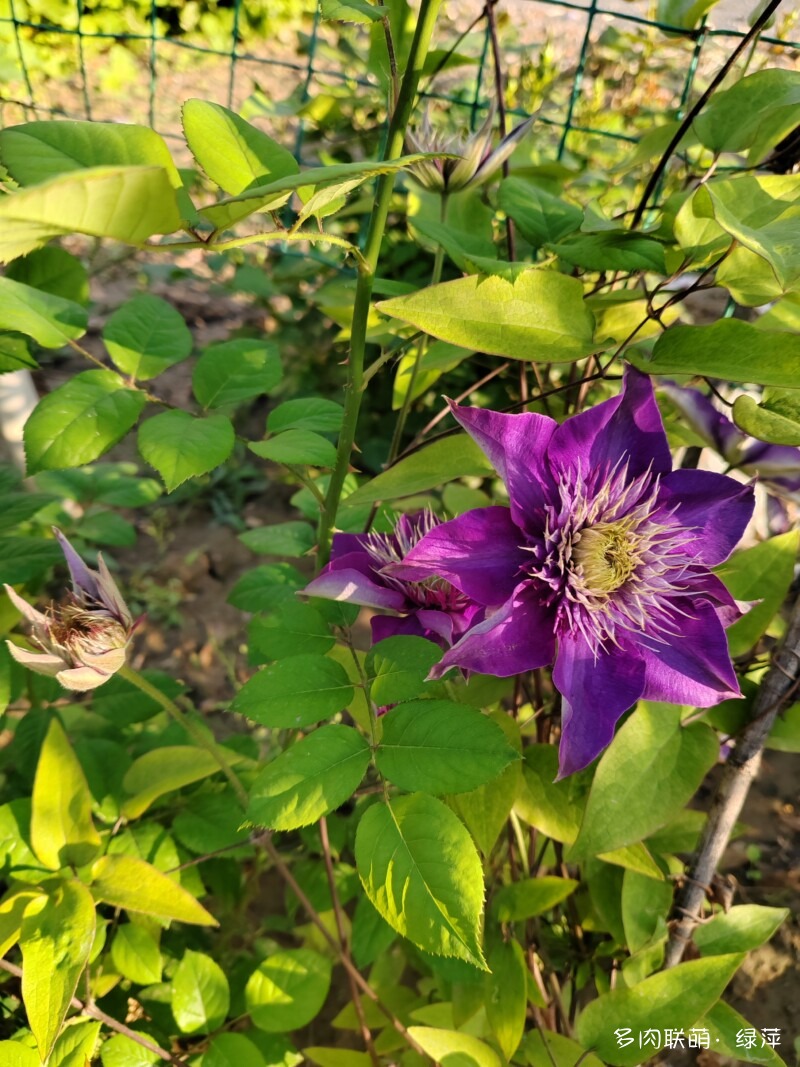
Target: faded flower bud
85,640
471,162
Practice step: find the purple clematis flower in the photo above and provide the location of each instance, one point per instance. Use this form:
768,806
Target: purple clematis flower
430,608
601,562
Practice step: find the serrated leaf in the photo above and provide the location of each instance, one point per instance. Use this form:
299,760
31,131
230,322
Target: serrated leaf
200,994
233,371
136,955
62,831
451,457
671,1000
50,320
422,873
52,270
80,421
398,667
293,629
436,746
263,588
24,558
56,940
130,883
307,413
288,990
180,446
145,335
127,204
652,768
540,316
312,778
19,507
297,447
280,539
213,821
295,693
232,152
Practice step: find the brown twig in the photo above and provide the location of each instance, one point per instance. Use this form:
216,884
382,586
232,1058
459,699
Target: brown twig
87,1008
740,770
337,912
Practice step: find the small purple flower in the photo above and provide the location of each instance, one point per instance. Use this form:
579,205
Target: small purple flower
601,562
431,607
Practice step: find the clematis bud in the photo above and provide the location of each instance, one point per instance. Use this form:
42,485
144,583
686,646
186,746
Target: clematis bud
84,641
471,162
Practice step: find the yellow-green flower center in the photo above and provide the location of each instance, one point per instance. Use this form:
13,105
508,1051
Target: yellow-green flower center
607,556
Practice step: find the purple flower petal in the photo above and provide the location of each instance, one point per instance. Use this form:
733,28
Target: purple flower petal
771,461
627,427
83,580
477,552
727,609
517,637
711,425
516,447
716,507
694,668
598,687
351,578
384,626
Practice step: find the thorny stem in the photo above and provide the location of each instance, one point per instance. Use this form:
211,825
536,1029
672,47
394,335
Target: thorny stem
429,9
344,959
337,913
694,111
741,768
192,728
88,1008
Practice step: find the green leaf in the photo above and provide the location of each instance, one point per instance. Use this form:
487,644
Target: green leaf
635,858
422,873
52,270
541,217
652,768
540,316
645,906
15,1054
233,371
127,204
544,1048
14,354
200,994
312,778
263,588
436,746
130,883
162,770
269,195
19,507
50,320
80,421
749,279
350,11
23,558
398,667
531,896
613,250
12,911
295,693
757,112
76,1045
452,1048
56,939
451,457
298,447
766,424
34,152
233,1050
135,954
729,349
673,999
233,153
763,573
683,13
288,990
122,1051
729,1032
180,446
292,538
554,807
308,413
62,831
742,929
507,995
145,335
213,821
293,629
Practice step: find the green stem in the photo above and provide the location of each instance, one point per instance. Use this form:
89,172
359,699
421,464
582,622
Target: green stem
428,11
422,348
192,728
